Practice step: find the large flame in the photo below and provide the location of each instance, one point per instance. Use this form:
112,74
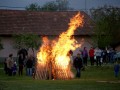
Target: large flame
53,55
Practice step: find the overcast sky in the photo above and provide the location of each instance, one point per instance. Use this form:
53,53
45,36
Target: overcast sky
76,4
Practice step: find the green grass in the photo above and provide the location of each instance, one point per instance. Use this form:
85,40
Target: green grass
93,78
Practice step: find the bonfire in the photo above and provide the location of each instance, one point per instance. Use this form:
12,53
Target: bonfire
53,60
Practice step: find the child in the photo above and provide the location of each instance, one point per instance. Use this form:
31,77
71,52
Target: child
14,68
116,69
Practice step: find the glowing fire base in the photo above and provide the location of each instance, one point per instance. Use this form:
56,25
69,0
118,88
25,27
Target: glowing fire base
50,71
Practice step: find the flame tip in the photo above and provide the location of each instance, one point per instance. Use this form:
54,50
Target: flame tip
54,54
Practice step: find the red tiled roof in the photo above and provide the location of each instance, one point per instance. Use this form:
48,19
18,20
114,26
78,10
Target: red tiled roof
41,23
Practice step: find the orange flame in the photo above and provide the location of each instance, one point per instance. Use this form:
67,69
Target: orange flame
55,54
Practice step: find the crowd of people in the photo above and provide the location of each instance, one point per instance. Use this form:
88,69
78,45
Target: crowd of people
11,66
96,56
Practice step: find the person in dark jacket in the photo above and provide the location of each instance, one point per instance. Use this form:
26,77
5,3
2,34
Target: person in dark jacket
116,69
5,66
29,65
78,65
24,52
21,64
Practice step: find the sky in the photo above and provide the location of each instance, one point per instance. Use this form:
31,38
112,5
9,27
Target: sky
76,4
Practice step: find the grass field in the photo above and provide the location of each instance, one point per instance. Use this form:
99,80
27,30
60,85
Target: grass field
93,78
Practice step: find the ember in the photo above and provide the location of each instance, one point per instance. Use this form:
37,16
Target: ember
53,59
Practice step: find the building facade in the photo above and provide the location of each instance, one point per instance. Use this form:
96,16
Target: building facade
50,24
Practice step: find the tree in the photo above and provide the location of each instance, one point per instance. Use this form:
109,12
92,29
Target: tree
32,41
63,5
107,28
49,6
27,41
58,5
33,7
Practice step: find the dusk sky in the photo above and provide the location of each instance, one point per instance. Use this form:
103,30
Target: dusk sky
76,4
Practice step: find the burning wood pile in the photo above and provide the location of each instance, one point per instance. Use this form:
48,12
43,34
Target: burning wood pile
53,59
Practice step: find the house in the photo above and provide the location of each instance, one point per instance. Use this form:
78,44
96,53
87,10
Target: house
50,24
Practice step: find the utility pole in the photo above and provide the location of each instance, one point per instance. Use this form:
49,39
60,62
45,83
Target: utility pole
85,6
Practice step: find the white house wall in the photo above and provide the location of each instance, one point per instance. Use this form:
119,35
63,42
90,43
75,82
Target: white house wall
84,43
8,46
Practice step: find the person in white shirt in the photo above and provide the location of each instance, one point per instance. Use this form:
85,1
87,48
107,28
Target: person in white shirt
98,53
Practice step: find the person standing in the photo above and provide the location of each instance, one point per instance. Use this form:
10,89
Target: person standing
14,69
98,53
104,54
116,69
85,56
91,55
10,64
112,53
70,54
5,66
24,52
21,64
78,65
29,65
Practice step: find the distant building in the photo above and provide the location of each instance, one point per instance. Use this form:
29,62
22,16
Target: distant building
50,24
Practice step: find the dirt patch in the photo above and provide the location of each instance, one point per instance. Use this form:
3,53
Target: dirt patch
108,81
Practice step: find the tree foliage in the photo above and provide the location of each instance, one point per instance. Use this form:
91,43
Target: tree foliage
62,5
27,41
107,29
58,5
49,6
33,7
